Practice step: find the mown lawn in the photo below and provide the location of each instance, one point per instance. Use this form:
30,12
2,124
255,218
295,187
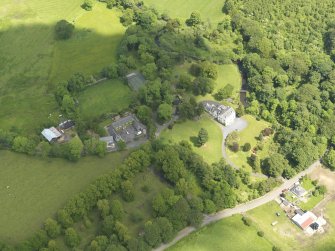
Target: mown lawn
312,202
284,233
106,97
210,10
249,135
32,190
228,234
189,130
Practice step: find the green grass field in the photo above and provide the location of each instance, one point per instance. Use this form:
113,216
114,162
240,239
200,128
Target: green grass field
326,242
106,97
31,60
229,234
249,135
93,45
37,188
285,234
188,131
210,10
227,74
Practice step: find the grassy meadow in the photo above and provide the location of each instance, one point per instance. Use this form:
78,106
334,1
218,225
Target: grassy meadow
106,97
249,135
32,189
231,234
210,10
93,45
228,234
31,60
189,130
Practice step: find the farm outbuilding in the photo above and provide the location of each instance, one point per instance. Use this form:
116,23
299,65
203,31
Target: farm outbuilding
51,134
304,220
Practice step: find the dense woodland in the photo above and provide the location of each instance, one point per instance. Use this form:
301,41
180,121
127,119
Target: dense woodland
286,52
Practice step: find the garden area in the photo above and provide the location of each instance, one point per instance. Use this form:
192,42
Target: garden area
211,151
240,155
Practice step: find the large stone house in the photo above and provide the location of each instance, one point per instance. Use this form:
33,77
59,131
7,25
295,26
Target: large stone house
226,115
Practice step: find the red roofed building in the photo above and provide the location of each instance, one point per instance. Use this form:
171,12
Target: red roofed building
304,220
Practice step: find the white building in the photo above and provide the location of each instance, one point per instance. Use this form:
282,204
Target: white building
226,115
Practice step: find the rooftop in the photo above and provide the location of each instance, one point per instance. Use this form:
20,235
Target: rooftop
51,133
298,190
305,220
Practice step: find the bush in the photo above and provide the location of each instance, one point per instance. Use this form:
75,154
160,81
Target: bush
145,188
136,217
121,145
87,5
275,248
246,147
247,221
235,147
260,233
267,131
63,30
316,193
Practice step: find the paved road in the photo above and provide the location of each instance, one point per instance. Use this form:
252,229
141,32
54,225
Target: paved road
242,208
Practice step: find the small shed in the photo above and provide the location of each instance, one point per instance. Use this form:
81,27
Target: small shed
51,134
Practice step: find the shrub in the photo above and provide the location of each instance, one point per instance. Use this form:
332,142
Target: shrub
267,131
275,248
63,30
145,188
136,217
121,145
260,233
246,147
235,147
87,5
247,221
316,193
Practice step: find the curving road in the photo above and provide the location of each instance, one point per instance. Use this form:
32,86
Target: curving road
238,125
242,208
